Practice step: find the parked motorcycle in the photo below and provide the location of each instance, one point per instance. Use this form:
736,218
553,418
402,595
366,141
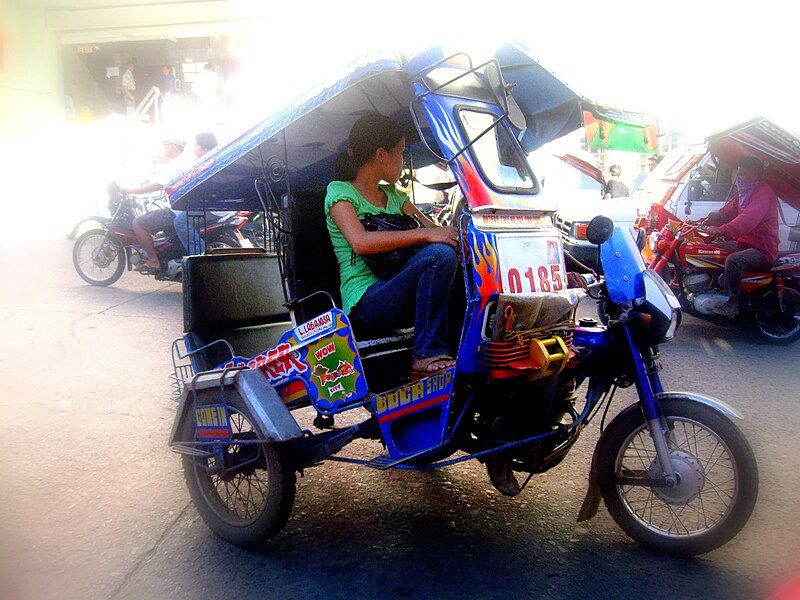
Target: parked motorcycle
694,267
264,336
100,255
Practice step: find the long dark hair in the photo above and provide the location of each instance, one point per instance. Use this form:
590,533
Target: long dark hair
369,133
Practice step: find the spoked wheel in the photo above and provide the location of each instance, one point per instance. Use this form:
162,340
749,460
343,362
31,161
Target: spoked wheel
247,496
98,259
717,479
785,327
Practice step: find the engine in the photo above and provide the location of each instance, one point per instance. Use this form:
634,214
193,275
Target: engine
528,339
704,291
697,283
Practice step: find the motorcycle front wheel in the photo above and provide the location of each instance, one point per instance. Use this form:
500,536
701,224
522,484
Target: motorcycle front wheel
717,471
247,499
782,328
98,259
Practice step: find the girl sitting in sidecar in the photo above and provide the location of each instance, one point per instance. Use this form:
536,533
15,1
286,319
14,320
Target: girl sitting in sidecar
418,292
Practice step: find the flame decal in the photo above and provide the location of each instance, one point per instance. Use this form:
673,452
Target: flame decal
485,265
475,192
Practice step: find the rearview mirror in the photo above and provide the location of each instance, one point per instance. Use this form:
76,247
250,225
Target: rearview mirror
495,79
599,230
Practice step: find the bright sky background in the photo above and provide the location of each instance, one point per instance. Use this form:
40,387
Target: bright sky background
698,66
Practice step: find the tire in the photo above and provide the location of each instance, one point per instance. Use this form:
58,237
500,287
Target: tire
629,428
226,240
782,331
224,516
110,262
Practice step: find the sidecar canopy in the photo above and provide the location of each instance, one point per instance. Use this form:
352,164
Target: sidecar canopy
776,147
304,138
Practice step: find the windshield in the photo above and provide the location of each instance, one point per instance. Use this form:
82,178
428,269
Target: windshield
623,266
502,166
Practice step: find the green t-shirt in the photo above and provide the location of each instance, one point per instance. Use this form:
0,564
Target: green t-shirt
356,276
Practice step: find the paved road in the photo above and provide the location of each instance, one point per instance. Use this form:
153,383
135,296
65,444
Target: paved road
95,505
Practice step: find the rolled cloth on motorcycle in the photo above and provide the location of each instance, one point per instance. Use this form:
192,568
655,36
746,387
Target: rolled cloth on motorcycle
518,313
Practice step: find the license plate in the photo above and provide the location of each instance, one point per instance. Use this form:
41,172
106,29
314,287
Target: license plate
211,422
531,264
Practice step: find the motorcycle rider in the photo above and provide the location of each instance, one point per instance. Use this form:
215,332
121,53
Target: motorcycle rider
613,187
751,219
158,220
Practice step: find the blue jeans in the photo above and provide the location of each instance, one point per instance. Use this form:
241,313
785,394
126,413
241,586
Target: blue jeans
418,293
185,230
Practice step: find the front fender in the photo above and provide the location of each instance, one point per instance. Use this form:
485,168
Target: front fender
718,405
102,221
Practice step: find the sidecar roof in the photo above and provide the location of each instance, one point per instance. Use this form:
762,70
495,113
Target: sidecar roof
312,130
779,149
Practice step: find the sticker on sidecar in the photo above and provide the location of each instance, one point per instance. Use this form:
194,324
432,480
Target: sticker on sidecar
415,396
277,363
325,323
211,422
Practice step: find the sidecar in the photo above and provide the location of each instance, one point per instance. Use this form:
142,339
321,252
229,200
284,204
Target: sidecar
264,336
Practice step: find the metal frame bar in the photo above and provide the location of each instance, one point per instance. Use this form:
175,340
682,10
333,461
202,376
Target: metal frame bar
417,100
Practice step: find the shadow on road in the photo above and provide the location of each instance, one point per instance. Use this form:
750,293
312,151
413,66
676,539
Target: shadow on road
433,536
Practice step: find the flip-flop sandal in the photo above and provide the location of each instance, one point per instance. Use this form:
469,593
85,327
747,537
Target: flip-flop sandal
149,270
446,362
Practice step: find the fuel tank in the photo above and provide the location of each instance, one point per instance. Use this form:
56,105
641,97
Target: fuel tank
702,256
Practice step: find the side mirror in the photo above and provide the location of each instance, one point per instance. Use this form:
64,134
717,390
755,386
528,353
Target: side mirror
694,191
507,102
641,239
599,230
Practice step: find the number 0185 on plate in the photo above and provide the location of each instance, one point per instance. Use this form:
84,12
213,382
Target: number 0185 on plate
531,264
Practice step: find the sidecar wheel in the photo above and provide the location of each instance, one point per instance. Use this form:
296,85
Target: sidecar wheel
718,479
253,504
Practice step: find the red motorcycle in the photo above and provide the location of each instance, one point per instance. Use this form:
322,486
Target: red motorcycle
694,267
101,255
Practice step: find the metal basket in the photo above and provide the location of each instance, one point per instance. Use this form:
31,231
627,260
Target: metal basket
182,366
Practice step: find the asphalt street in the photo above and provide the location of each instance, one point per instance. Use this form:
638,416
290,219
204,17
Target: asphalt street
94,503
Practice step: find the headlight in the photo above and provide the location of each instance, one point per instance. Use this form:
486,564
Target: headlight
674,323
662,306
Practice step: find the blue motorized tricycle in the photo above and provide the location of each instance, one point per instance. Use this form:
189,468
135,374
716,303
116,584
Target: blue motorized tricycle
264,336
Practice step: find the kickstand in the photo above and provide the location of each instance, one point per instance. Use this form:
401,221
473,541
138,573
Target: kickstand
522,487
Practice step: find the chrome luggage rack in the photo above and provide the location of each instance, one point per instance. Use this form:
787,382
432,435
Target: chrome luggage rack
182,366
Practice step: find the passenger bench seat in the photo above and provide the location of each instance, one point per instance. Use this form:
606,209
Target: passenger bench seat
237,297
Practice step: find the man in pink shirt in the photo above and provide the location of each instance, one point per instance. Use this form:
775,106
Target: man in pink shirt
750,218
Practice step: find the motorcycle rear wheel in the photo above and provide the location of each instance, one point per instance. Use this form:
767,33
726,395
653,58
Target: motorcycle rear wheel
719,479
98,259
250,506
782,329
225,240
